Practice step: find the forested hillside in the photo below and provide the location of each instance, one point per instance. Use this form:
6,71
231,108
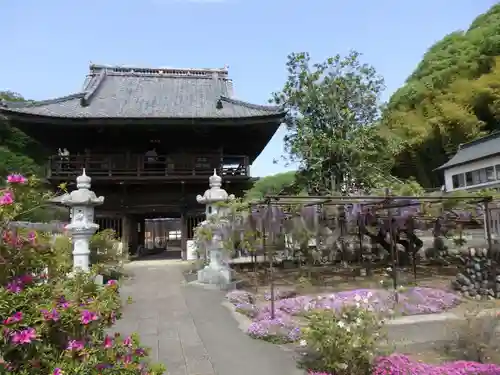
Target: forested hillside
452,97
18,152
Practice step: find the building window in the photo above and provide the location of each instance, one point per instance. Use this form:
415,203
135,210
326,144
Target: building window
490,174
475,177
497,167
468,179
458,180
482,175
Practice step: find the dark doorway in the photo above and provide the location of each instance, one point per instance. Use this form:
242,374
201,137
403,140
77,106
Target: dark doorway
161,235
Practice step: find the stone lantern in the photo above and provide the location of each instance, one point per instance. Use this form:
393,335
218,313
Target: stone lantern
81,227
217,272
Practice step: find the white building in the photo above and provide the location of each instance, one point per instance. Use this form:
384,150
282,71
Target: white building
476,165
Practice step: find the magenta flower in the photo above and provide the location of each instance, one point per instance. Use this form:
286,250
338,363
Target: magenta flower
16,179
128,341
57,371
127,359
6,199
17,317
25,336
112,282
26,279
51,315
108,342
63,304
14,286
32,237
87,317
75,345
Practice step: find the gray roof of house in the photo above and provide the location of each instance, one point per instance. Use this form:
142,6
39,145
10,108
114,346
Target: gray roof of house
125,92
475,150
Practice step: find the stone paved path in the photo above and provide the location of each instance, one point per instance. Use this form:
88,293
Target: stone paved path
189,330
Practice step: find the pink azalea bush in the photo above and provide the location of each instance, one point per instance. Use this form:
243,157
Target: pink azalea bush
49,323
400,364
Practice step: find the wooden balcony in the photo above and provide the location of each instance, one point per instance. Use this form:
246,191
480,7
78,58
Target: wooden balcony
140,167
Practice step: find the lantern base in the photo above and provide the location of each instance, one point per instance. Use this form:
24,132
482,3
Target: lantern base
216,272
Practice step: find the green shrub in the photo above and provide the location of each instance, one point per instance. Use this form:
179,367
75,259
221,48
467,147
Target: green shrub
341,342
53,324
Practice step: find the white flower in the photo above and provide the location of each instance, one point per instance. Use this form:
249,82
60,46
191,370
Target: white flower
381,282
342,366
389,269
358,321
365,301
341,324
358,305
303,343
320,298
369,295
357,298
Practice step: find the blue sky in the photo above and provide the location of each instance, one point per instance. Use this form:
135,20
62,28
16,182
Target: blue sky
47,45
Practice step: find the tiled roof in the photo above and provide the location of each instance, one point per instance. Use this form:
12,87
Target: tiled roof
475,150
124,92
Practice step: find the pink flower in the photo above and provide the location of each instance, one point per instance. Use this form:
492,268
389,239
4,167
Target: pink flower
128,341
51,315
17,317
63,304
15,286
6,199
75,345
112,282
32,237
57,371
26,279
87,317
16,179
127,359
108,342
25,336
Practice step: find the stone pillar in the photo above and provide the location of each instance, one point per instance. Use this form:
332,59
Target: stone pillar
81,228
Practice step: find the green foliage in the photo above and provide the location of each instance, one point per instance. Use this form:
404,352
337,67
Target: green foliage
452,97
342,342
271,185
105,249
331,109
18,152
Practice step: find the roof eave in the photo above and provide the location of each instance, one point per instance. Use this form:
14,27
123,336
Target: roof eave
272,117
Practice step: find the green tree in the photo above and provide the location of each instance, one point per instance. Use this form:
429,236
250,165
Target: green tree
452,97
18,152
274,184
331,109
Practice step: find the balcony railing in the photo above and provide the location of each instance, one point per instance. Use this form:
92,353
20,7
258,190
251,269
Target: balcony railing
153,167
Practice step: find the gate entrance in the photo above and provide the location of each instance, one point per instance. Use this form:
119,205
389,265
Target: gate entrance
163,235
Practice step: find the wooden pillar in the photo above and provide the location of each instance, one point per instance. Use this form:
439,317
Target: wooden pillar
125,233
133,234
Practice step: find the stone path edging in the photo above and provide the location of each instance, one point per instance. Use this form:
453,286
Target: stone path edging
406,331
